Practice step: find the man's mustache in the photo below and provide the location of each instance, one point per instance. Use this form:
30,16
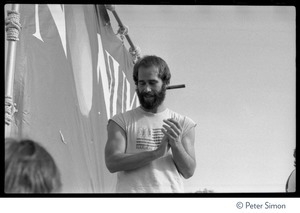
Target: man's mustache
148,94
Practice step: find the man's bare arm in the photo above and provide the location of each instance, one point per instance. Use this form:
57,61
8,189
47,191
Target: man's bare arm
182,147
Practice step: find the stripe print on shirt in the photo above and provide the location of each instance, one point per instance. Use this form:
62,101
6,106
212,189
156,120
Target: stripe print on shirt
148,139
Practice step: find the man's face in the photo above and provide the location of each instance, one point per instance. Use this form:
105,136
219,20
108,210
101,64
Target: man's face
150,89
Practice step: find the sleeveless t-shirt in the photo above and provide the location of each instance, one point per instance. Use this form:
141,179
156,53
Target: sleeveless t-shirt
143,133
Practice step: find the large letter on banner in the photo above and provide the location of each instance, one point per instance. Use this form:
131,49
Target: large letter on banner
116,75
72,74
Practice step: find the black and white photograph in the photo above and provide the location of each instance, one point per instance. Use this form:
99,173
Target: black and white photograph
143,100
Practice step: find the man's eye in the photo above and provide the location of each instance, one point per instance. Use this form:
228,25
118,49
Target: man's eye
152,83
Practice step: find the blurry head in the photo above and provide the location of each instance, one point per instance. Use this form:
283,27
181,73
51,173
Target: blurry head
151,75
295,156
29,168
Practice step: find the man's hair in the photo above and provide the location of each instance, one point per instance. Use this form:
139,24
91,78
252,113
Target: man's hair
29,168
152,60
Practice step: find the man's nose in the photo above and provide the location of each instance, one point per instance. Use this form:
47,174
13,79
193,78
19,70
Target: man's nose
147,88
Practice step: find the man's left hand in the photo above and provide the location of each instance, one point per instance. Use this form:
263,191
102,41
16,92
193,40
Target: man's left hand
173,131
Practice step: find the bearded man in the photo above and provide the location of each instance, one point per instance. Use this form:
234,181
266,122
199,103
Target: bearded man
150,147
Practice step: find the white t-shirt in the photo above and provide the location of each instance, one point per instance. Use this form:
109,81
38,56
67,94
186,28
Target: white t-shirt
143,133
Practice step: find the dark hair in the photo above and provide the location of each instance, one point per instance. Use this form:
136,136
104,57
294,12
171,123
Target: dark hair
152,60
29,168
294,157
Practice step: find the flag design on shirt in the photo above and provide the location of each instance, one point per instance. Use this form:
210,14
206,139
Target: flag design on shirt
148,139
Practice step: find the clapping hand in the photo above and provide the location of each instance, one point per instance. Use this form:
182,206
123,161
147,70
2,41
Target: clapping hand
173,131
164,147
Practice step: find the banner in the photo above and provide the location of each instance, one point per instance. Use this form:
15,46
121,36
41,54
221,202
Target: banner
72,74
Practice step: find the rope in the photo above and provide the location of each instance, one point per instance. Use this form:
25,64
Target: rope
12,25
136,53
10,109
123,31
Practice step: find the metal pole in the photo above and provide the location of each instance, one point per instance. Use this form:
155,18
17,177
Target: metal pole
10,70
121,25
10,61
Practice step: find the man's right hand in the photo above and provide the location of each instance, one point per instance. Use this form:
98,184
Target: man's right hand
163,148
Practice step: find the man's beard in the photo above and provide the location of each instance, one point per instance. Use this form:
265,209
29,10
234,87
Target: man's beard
158,98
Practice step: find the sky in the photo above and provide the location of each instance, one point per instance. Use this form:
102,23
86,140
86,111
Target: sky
238,65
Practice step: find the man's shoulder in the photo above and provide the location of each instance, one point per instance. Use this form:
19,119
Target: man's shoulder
124,118
125,114
181,117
